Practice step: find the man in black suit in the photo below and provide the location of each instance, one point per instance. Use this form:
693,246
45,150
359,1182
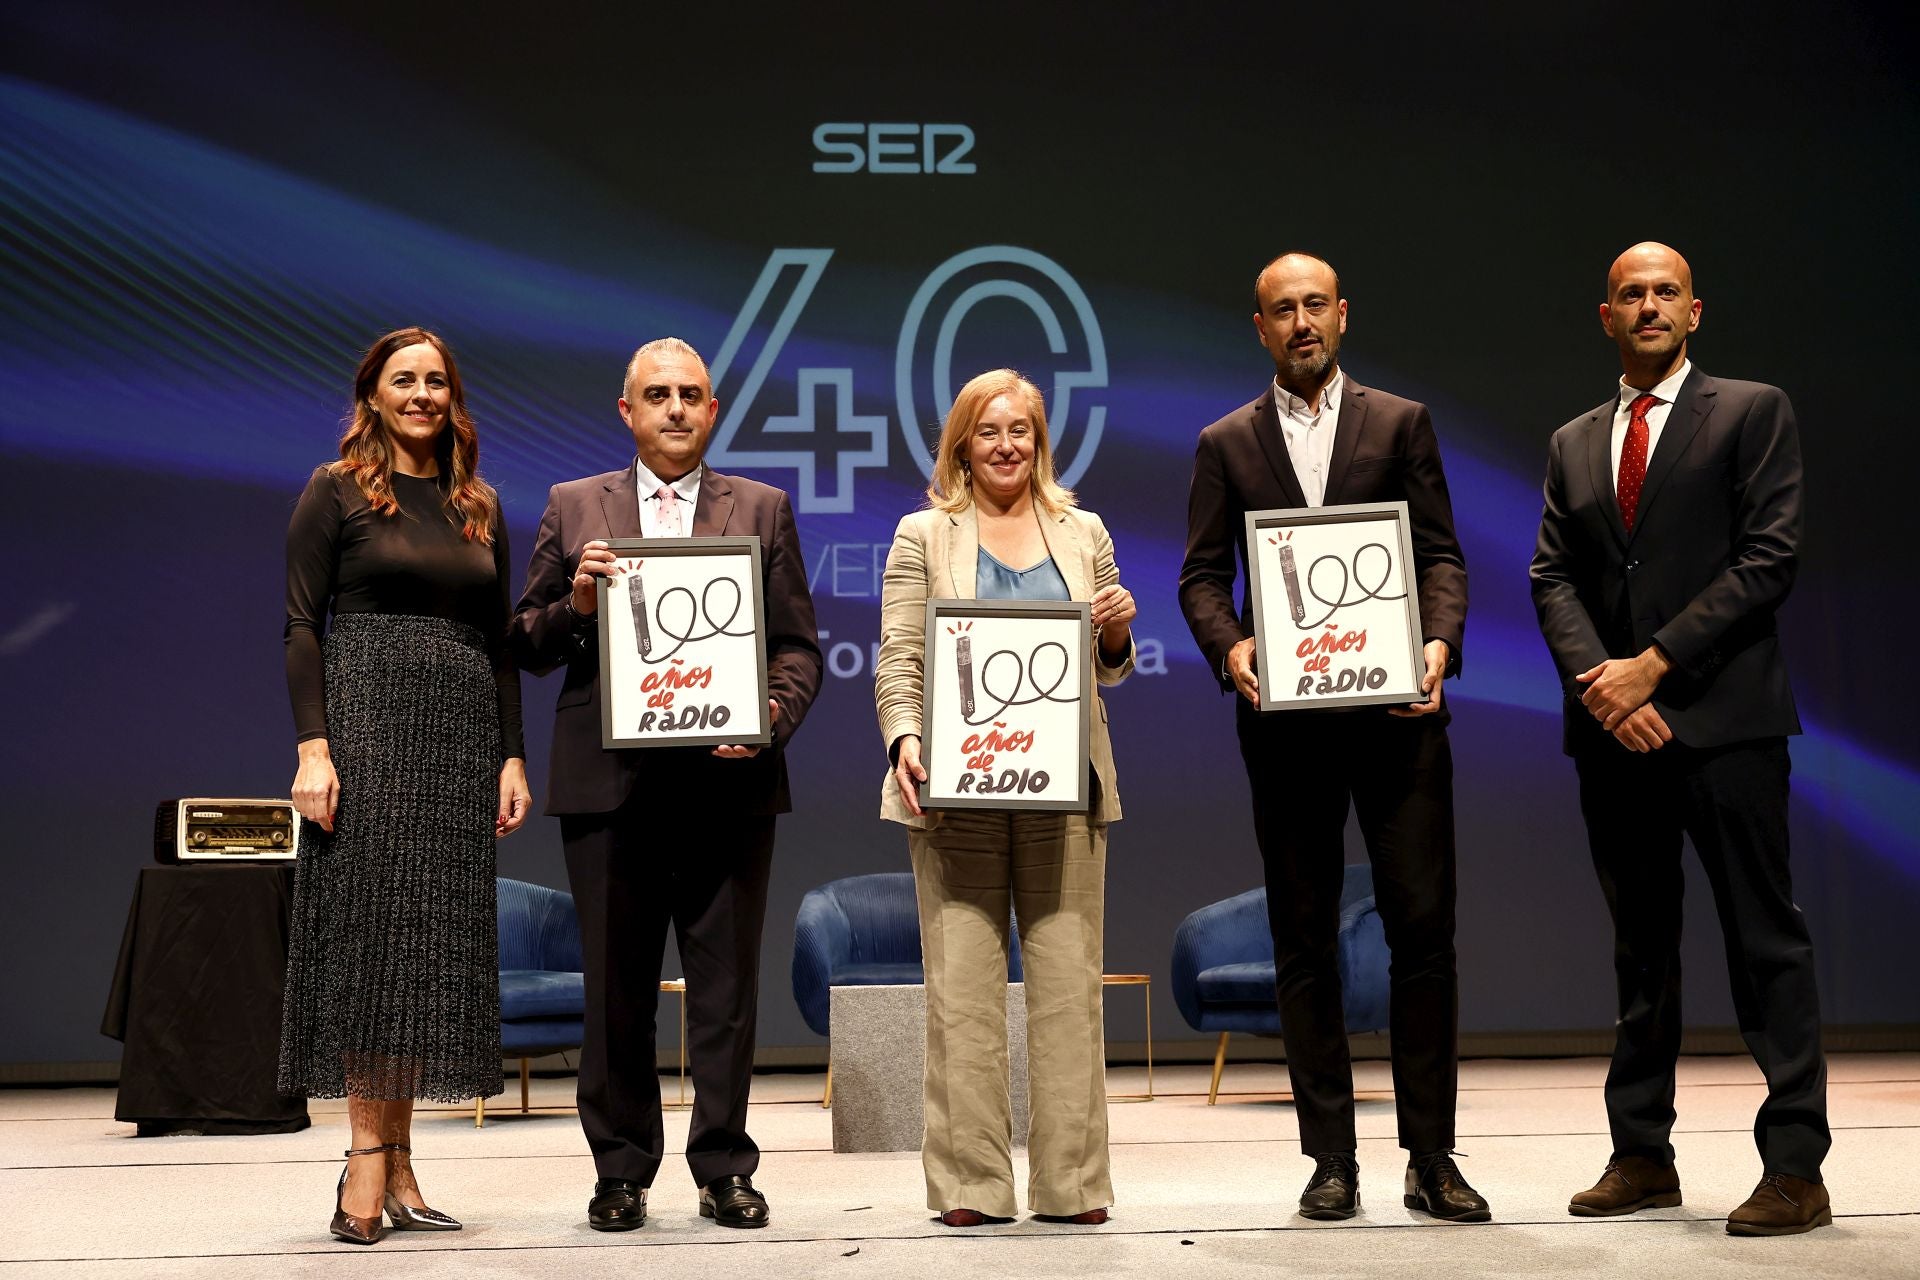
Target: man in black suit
1668,542
666,835
1314,438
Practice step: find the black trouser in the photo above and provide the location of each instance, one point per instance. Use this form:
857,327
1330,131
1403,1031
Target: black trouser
1397,774
1732,801
633,873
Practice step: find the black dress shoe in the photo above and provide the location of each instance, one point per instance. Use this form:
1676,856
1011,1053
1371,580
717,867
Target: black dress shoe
732,1202
1333,1192
618,1204
1434,1186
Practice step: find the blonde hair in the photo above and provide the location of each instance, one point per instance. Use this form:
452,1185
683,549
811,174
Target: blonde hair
952,487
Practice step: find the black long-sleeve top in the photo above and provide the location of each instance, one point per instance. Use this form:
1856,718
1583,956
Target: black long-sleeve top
344,557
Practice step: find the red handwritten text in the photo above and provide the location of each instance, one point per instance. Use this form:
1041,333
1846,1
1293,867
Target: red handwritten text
674,678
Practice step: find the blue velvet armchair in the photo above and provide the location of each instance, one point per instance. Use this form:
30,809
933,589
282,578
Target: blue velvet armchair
860,931
543,995
1223,969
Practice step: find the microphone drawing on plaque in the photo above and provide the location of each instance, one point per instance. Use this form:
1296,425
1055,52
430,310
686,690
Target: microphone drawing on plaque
1290,574
637,597
963,664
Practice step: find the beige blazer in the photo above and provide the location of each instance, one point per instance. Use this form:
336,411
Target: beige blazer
935,556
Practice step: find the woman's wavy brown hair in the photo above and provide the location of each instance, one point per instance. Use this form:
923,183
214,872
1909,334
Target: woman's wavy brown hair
366,453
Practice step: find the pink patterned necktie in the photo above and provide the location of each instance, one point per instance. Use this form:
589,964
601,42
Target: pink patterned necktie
1633,460
668,522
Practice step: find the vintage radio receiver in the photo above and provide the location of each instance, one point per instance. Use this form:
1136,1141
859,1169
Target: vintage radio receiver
203,830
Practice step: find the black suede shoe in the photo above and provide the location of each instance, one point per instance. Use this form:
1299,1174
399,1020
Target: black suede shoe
618,1204
1333,1192
1434,1186
732,1202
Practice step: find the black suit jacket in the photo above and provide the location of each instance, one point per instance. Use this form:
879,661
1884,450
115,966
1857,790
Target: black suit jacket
1384,450
1712,555
584,777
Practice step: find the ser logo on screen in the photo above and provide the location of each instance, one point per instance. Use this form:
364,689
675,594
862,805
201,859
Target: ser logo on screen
893,148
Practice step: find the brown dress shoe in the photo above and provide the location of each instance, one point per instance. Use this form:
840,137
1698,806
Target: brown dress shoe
1782,1205
1628,1185
1085,1218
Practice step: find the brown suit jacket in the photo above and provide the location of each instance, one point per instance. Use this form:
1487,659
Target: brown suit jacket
1384,450
936,556
583,776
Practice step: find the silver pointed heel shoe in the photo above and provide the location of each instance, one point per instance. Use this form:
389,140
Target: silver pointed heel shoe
406,1217
350,1227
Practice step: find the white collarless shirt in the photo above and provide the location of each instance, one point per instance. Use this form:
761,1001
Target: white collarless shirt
686,492
1663,393
1308,431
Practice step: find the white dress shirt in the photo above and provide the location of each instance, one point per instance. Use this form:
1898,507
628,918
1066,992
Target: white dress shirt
1663,393
686,493
1308,430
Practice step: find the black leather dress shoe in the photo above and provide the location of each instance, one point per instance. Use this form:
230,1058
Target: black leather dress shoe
1434,1186
732,1202
1333,1192
618,1204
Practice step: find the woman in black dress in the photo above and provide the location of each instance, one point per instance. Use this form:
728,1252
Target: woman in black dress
411,765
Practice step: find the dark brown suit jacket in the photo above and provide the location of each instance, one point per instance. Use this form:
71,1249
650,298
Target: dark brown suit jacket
1713,553
1383,451
584,777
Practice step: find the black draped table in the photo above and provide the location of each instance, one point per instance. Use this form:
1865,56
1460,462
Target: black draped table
196,1002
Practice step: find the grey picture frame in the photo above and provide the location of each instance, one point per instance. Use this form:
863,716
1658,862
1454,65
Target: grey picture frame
614,666
939,613
1264,593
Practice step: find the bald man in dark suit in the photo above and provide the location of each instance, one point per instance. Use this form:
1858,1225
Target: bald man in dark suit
1669,540
1314,438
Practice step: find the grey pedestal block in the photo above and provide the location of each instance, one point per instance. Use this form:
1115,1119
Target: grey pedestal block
878,1050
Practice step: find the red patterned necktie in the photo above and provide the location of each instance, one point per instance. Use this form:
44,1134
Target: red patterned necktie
1633,460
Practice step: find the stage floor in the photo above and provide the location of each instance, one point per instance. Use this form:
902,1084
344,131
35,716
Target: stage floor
1204,1191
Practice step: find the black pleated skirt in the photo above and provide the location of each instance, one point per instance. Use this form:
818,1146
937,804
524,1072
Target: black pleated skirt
393,984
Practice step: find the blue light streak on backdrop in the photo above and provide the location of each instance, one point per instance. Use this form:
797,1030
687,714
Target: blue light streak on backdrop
217,295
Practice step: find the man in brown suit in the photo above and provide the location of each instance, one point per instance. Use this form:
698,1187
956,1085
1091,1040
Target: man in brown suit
666,835
1316,437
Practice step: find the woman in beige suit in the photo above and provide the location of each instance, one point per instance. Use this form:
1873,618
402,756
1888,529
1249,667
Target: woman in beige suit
1000,526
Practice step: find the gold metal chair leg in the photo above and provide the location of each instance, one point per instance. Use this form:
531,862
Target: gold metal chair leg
1219,1065
526,1071
479,1112
678,987
826,1098
1149,992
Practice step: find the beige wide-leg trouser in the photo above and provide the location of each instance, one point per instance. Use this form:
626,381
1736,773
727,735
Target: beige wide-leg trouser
1051,869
